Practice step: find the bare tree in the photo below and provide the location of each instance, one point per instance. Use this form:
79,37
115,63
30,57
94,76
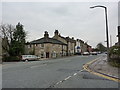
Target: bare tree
7,33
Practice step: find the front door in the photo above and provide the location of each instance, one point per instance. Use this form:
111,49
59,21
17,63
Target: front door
47,54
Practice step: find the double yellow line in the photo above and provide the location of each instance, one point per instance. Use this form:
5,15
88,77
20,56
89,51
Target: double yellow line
86,67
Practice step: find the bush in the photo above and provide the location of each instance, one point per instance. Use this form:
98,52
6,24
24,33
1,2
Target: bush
115,50
114,63
11,59
115,56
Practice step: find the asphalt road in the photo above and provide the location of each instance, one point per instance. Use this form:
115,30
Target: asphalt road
54,73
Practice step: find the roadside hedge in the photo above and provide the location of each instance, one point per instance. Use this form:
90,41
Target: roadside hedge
115,56
11,59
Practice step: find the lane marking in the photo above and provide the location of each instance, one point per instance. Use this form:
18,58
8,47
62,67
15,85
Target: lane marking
67,77
86,67
81,70
60,81
57,83
75,74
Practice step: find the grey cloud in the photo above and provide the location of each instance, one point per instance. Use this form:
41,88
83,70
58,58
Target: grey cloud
71,19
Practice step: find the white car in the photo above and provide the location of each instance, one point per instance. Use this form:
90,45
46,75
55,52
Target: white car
29,57
86,53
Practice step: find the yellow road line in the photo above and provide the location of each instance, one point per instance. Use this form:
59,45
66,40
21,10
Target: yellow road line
86,67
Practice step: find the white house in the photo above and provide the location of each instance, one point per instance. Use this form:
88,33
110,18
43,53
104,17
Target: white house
78,47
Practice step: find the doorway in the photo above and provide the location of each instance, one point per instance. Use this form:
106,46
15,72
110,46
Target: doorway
47,54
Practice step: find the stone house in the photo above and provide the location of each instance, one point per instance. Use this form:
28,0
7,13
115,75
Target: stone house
69,41
79,48
82,47
89,48
47,47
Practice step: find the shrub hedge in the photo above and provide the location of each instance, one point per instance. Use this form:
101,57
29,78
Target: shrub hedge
115,56
11,59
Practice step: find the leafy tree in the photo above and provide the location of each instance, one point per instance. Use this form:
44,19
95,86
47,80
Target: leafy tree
18,43
14,39
115,56
95,49
115,50
101,47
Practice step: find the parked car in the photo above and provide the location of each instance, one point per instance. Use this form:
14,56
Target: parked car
105,52
86,53
29,57
99,52
94,53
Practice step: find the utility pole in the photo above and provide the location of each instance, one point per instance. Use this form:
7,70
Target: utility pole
110,41
105,8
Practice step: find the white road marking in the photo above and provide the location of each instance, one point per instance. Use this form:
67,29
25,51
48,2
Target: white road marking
81,70
57,82
75,74
60,81
68,77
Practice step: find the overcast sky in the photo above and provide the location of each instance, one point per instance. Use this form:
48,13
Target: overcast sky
73,19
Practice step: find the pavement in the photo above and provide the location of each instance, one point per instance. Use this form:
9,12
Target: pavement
102,68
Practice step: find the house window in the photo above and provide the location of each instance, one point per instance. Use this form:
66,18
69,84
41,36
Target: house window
35,44
42,54
29,46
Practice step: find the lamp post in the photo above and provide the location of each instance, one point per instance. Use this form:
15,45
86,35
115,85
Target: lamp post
106,28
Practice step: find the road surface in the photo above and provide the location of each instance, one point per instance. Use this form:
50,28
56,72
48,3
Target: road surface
54,73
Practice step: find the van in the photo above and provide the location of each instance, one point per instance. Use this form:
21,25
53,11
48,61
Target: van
29,57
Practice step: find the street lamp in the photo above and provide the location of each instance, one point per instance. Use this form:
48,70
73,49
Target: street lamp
106,28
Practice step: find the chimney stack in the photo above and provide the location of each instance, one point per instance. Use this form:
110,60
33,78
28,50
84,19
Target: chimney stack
46,35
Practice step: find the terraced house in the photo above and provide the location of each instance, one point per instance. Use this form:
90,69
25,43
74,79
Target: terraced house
67,40
46,47
57,46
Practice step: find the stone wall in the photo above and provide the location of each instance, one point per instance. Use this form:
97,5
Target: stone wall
41,50
70,45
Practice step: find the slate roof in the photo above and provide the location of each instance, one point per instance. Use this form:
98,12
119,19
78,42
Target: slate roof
67,39
47,40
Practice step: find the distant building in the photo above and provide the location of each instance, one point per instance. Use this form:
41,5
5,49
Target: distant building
47,47
57,46
67,40
89,48
80,47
